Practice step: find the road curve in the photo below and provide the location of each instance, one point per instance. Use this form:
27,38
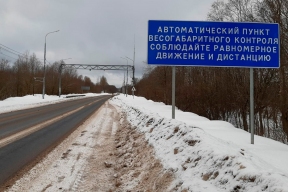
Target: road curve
15,156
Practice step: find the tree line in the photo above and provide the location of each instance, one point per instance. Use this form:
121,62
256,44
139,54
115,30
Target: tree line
223,93
25,77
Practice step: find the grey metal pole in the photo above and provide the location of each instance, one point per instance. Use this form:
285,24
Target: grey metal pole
133,80
124,90
45,63
133,65
173,92
60,74
125,85
43,87
127,81
252,105
133,69
33,84
133,76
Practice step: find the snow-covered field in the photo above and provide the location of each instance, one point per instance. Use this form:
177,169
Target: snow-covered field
204,155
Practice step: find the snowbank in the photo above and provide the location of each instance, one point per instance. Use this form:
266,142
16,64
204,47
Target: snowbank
29,101
208,155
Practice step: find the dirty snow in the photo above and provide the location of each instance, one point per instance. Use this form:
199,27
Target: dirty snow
203,155
208,155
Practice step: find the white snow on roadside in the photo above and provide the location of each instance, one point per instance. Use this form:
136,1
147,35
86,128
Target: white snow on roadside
66,173
208,155
29,101
204,155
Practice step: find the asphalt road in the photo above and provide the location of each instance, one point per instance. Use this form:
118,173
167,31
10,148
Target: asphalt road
16,155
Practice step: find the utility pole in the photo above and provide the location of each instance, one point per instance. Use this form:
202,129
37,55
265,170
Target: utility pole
133,80
44,76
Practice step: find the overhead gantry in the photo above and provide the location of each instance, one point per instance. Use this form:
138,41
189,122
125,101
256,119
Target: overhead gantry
95,67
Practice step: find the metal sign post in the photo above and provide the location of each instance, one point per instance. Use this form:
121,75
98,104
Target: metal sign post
215,44
133,89
252,105
173,92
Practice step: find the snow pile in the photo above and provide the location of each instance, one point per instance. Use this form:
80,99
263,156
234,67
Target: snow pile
29,101
203,160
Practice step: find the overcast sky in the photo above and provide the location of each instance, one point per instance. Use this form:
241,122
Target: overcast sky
91,31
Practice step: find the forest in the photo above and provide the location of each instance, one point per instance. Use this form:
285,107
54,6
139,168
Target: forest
25,76
223,93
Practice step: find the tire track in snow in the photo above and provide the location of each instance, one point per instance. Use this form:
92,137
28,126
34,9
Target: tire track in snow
78,184
97,177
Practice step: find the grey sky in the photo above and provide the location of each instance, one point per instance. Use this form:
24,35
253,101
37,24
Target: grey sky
91,31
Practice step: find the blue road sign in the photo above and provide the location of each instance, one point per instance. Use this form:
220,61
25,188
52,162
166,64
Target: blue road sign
219,44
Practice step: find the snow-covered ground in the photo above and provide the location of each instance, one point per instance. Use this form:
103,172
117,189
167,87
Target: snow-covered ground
28,101
208,155
204,155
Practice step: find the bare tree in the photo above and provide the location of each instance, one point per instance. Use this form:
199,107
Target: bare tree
276,11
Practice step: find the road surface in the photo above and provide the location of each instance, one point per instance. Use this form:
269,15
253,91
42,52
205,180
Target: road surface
27,135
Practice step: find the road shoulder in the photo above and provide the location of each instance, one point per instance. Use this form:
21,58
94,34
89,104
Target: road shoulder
103,154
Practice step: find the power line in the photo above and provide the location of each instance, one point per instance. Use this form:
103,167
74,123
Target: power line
8,56
7,49
11,49
12,52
